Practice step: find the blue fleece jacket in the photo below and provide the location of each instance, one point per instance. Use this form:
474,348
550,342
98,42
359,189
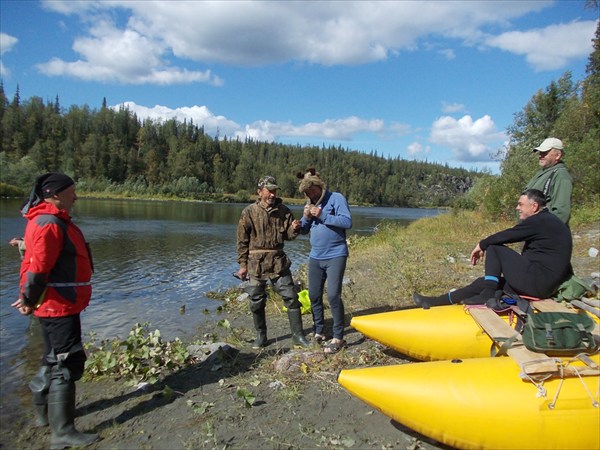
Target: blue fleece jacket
328,231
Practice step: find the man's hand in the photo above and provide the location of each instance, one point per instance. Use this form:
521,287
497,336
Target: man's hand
476,254
296,225
242,274
22,308
14,242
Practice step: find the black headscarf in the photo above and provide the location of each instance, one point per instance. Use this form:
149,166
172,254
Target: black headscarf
46,186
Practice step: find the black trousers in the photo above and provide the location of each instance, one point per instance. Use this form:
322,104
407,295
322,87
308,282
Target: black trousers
62,335
516,274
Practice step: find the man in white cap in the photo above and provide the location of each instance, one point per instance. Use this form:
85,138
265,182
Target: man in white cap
553,179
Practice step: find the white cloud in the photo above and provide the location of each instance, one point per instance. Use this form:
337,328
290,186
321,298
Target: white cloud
7,43
416,149
200,115
341,129
248,33
549,48
123,56
450,108
447,53
263,130
469,140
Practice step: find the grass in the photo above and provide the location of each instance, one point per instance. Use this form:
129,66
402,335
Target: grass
430,256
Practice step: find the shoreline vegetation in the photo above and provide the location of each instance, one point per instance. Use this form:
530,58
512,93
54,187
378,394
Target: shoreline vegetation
281,398
244,197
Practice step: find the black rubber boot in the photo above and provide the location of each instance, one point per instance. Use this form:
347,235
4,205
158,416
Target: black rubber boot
260,325
295,318
39,387
61,415
427,302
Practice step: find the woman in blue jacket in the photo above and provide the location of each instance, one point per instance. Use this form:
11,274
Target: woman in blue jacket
326,217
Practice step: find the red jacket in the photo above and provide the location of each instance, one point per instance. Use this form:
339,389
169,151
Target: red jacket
55,253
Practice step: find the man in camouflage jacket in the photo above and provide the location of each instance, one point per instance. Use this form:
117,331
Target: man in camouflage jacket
263,228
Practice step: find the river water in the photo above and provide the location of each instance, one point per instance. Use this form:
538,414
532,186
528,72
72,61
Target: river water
151,258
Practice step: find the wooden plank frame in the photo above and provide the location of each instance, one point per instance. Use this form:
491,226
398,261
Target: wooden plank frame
532,363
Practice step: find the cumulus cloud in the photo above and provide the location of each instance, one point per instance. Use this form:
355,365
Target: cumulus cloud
140,45
7,43
340,129
468,140
199,115
124,56
263,130
549,48
417,149
450,108
447,53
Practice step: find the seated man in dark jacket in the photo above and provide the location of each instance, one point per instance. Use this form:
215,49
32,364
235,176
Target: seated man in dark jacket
543,265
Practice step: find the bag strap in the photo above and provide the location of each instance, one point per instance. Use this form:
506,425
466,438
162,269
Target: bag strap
585,336
548,181
549,334
506,345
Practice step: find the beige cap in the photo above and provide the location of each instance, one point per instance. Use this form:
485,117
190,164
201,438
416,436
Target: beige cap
549,144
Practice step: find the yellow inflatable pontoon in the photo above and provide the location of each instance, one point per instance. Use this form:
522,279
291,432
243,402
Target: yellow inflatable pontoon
484,403
439,333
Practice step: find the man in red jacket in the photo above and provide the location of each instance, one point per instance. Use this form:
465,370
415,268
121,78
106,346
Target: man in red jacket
55,286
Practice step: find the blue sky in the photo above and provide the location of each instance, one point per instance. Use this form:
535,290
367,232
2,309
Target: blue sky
427,80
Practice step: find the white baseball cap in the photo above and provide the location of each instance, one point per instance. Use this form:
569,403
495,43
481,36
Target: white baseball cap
549,144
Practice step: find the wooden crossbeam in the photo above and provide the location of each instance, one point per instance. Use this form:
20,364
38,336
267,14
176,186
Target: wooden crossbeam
531,363
500,331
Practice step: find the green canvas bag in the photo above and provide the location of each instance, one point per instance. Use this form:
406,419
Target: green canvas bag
572,289
559,333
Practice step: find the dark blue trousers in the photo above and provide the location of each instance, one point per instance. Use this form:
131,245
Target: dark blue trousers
332,271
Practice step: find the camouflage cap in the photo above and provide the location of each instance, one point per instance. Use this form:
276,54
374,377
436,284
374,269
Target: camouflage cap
268,182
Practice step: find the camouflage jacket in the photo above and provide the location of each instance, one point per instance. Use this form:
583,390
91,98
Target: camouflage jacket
261,233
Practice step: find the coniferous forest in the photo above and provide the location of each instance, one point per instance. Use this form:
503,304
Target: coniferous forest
115,152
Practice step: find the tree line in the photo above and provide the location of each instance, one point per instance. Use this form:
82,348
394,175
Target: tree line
114,151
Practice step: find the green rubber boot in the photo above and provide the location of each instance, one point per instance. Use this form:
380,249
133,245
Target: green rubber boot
61,416
295,318
260,325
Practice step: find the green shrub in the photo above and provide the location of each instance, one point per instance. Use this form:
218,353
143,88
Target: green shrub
7,190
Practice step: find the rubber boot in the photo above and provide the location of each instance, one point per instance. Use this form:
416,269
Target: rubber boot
295,318
427,302
260,325
61,415
39,387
